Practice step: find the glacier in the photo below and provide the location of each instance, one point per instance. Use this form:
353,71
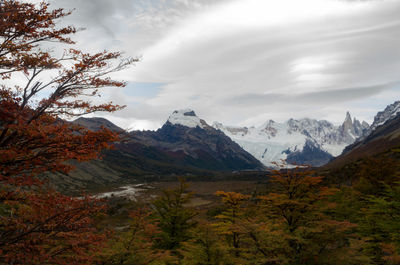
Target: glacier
273,142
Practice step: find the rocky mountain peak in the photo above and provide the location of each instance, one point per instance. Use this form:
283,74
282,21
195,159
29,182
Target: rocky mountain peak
348,117
348,123
390,112
352,129
186,117
189,113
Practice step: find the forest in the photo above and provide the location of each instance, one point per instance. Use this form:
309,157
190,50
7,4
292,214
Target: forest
346,215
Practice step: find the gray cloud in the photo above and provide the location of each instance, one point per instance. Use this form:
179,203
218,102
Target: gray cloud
244,68
316,98
130,25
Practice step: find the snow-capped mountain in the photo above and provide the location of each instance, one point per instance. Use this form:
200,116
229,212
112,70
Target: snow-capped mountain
382,117
379,140
189,141
305,141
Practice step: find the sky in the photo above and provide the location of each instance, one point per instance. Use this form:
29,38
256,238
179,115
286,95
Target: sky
243,62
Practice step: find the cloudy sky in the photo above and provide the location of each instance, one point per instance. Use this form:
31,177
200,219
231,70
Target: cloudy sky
242,62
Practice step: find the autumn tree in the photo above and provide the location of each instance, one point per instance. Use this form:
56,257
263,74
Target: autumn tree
378,211
205,247
230,221
298,210
372,202
33,139
175,218
375,173
135,244
48,228
380,225
38,88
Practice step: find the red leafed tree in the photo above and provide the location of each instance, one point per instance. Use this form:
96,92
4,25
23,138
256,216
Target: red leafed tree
38,87
49,228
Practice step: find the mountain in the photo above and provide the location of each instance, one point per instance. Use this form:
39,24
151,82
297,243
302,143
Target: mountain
96,123
184,145
390,112
382,136
190,141
305,141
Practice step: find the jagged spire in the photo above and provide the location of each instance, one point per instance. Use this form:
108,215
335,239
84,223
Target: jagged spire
348,117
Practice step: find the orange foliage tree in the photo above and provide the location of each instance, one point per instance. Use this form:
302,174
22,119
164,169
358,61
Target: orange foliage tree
39,87
230,222
299,211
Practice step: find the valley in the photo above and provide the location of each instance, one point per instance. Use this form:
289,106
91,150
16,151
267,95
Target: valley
199,132
188,147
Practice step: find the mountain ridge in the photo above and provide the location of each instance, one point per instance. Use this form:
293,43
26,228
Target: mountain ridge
293,139
384,135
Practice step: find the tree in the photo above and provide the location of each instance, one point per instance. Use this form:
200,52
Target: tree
48,228
379,215
175,219
33,139
204,248
380,224
373,202
135,245
39,87
299,211
374,173
230,220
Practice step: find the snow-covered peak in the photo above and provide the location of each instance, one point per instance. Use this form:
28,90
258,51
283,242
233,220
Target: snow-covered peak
389,113
264,125
307,124
273,141
186,117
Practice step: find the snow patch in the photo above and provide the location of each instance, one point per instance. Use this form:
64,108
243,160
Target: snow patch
185,117
389,113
